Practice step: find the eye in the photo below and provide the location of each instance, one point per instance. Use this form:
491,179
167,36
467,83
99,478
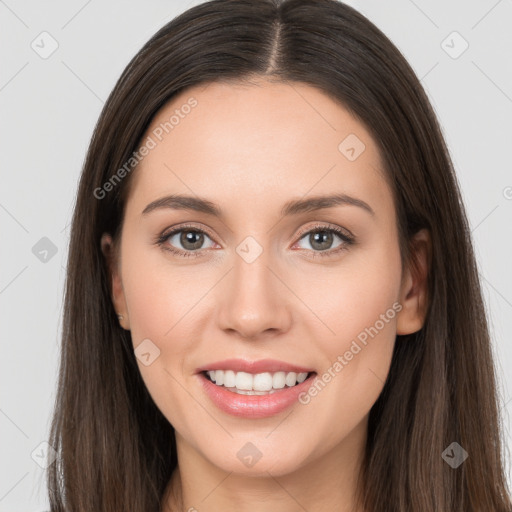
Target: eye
188,241
321,239
185,241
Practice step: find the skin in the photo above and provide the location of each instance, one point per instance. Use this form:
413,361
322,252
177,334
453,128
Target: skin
249,148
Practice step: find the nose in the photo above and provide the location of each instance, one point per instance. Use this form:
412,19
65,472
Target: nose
254,302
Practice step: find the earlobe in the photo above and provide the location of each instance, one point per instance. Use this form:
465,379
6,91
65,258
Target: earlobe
414,289
116,286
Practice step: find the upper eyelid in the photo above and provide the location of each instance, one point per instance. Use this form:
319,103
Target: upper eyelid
327,226
173,231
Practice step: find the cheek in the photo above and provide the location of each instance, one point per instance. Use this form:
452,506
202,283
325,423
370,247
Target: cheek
351,297
358,306
160,294
360,311
161,300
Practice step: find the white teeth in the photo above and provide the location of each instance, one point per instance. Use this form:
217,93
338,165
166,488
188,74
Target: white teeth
255,384
242,381
243,392
219,377
262,381
229,378
291,379
301,377
279,380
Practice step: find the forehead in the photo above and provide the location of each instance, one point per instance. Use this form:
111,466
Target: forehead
244,141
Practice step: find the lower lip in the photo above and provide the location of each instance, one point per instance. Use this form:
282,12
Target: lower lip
254,406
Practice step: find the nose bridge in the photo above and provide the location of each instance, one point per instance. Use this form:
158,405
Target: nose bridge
252,299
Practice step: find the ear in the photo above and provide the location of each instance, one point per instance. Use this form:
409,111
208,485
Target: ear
414,287
116,286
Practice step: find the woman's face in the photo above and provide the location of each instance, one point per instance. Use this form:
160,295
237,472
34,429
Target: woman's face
252,288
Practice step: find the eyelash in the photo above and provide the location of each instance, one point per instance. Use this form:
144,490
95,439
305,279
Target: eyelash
347,240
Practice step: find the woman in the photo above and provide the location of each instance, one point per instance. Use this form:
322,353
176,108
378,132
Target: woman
272,300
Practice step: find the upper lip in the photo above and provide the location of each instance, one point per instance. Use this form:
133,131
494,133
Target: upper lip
260,366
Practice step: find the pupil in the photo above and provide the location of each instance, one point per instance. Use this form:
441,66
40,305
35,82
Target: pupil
187,237
320,236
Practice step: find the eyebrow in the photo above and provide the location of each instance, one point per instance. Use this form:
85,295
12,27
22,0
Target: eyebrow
293,207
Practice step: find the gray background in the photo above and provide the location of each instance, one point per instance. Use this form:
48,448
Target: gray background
48,110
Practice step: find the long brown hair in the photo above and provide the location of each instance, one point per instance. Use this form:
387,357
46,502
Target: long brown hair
116,451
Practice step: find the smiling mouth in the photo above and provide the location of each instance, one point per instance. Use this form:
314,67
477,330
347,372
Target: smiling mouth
265,383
